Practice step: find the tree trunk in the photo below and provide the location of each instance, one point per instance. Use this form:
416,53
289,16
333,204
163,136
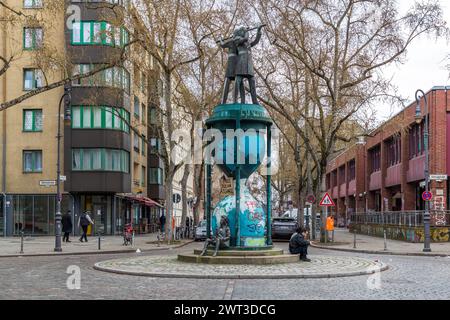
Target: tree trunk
198,182
184,181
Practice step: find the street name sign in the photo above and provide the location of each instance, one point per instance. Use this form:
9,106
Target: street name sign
439,177
327,201
47,183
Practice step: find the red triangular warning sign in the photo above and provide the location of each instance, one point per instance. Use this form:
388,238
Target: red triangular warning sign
327,201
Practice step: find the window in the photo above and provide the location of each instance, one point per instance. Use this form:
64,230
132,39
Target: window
32,120
143,113
98,33
32,79
154,146
416,141
32,38
351,170
136,142
32,161
143,173
126,120
143,83
375,159
136,107
100,160
144,145
394,151
341,174
117,77
156,176
32,4
100,117
154,117
334,179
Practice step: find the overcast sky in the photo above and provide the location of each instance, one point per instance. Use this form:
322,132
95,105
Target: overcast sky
425,66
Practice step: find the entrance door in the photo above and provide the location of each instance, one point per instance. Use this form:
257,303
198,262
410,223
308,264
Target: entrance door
98,212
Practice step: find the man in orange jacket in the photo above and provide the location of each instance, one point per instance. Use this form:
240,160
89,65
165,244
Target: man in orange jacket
330,227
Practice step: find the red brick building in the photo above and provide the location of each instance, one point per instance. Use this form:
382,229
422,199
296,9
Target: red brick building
386,171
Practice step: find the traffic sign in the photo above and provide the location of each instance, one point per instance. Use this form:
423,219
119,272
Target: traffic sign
427,196
327,201
311,199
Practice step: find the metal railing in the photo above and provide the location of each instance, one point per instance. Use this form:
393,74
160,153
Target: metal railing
402,218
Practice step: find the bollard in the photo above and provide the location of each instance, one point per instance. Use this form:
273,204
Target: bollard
99,242
21,242
354,239
385,241
132,240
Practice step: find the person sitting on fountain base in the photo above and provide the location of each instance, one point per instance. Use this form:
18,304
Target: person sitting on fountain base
222,238
299,245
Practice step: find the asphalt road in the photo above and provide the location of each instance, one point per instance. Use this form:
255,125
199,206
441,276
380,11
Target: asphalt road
45,278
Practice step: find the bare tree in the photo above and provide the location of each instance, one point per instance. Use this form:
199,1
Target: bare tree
341,48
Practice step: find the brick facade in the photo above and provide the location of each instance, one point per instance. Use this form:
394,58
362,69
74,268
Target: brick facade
396,186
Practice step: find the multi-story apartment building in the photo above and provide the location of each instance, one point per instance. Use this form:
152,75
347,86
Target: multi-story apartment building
107,153
386,172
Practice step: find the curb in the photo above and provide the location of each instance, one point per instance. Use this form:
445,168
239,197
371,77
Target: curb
92,253
383,267
388,253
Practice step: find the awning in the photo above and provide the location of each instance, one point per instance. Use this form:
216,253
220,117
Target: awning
143,200
398,195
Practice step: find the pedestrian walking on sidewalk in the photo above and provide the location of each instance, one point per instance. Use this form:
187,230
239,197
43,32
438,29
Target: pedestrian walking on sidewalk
66,222
84,222
299,245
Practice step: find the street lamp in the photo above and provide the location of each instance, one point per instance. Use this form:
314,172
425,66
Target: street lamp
66,98
419,118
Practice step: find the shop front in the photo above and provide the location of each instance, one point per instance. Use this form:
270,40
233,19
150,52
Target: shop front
142,212
32,214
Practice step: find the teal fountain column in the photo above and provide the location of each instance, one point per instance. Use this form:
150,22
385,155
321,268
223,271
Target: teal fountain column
246,133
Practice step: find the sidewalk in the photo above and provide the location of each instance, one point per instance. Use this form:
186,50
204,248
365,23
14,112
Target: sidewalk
366,244
44,246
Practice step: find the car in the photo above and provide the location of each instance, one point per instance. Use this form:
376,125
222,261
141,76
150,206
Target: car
200,231
283,227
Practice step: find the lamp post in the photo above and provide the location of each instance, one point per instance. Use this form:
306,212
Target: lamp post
419,118
66,98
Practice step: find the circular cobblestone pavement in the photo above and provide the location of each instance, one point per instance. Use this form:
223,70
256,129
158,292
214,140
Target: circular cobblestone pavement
170,267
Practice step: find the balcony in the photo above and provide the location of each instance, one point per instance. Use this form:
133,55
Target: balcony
343,190
375,181
416,170
93,181
394,176
352,187
335,194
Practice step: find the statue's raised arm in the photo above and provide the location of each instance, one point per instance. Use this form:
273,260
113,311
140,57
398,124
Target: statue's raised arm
258,36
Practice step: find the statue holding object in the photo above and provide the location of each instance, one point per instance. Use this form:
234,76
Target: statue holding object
240,63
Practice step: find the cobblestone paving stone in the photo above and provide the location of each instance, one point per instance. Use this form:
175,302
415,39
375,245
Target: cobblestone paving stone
45,278
320,266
